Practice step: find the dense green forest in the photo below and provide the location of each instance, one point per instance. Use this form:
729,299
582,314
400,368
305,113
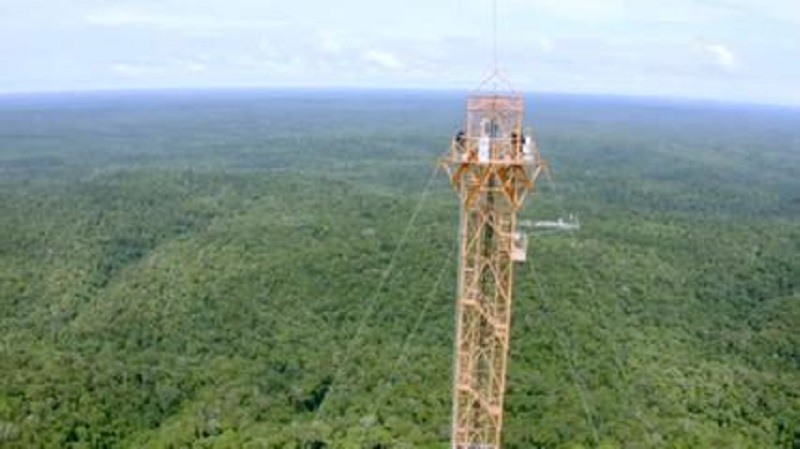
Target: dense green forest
276,270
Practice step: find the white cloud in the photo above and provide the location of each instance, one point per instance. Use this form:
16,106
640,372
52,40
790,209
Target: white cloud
383,59
578,9
149,70
195,67
133,70
720,55
117,17
268,49
547,45
330,43
257,63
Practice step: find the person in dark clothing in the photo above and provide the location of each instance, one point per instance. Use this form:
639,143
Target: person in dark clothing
461,140
517,141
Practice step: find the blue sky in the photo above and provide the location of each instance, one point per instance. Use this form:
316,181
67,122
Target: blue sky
736,50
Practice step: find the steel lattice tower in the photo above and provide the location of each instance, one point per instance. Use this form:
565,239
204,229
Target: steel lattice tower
493,166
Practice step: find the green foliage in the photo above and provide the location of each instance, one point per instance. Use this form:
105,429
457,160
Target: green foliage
208,270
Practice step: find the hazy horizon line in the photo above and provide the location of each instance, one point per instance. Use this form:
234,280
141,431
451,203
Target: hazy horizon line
452,90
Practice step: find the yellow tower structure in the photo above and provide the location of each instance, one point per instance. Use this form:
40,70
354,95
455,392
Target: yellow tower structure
493,165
